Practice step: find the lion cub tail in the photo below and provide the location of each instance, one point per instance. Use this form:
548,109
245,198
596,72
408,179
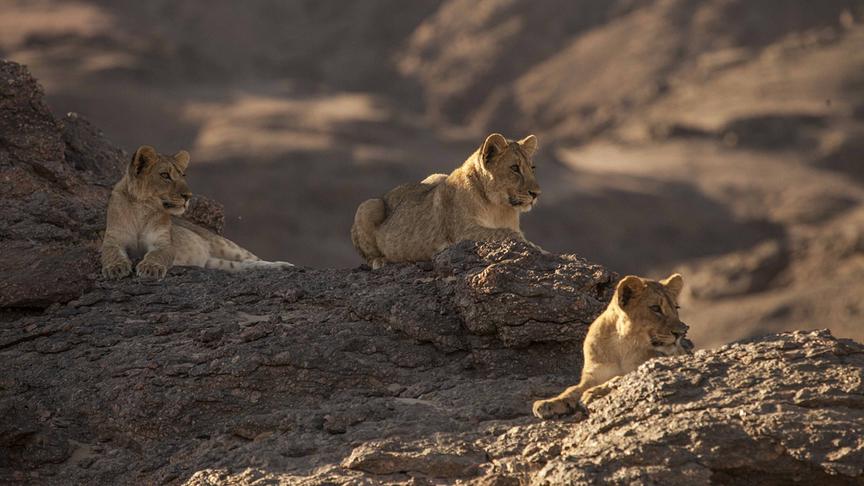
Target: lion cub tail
240,266
370,214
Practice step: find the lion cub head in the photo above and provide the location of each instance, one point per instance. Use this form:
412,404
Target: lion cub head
652,310
159,181
511,180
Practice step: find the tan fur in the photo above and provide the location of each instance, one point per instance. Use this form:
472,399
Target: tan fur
143,222
481,200
628,333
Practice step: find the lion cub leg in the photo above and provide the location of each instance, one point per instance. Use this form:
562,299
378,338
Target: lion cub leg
569,401
115,263
159,258
370,214
599,391
228,250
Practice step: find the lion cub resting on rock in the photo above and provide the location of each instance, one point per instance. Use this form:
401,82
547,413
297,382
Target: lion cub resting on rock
143,222
481,200
640,323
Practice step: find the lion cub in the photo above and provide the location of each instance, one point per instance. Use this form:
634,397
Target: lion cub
143,223
480,200
640,323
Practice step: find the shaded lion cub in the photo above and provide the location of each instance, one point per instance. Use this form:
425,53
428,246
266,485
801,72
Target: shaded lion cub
143,223
640,323
481,200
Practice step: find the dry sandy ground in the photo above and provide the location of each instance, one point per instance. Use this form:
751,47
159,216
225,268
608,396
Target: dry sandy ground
720,138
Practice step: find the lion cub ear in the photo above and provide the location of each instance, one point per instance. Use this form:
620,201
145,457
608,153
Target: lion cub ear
494,145
629,287
182,159
144,156
674,282
529,144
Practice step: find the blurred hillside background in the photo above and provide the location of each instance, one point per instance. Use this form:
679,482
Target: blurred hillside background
720,138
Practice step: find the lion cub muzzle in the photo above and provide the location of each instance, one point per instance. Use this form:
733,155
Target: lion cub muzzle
524,202
674,344
176,200
175,205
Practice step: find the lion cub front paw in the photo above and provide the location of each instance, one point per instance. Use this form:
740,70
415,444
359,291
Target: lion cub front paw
151,270
594,394
117,270
599,391
555,407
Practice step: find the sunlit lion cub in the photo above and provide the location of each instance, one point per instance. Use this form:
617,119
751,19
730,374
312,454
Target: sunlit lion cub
481,200
640,323
143,223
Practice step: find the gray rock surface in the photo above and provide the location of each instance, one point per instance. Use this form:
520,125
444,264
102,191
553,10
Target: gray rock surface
289,371
306,377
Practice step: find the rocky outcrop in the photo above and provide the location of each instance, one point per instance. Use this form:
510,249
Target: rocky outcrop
411,374
52,207
333,376
775,410
781,409
304,377
56,177
291,370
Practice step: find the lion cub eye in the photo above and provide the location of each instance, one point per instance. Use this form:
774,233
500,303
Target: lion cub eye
656,308
514,168
166,176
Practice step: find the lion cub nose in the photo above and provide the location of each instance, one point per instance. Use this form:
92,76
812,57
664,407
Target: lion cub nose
535,194
186,195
